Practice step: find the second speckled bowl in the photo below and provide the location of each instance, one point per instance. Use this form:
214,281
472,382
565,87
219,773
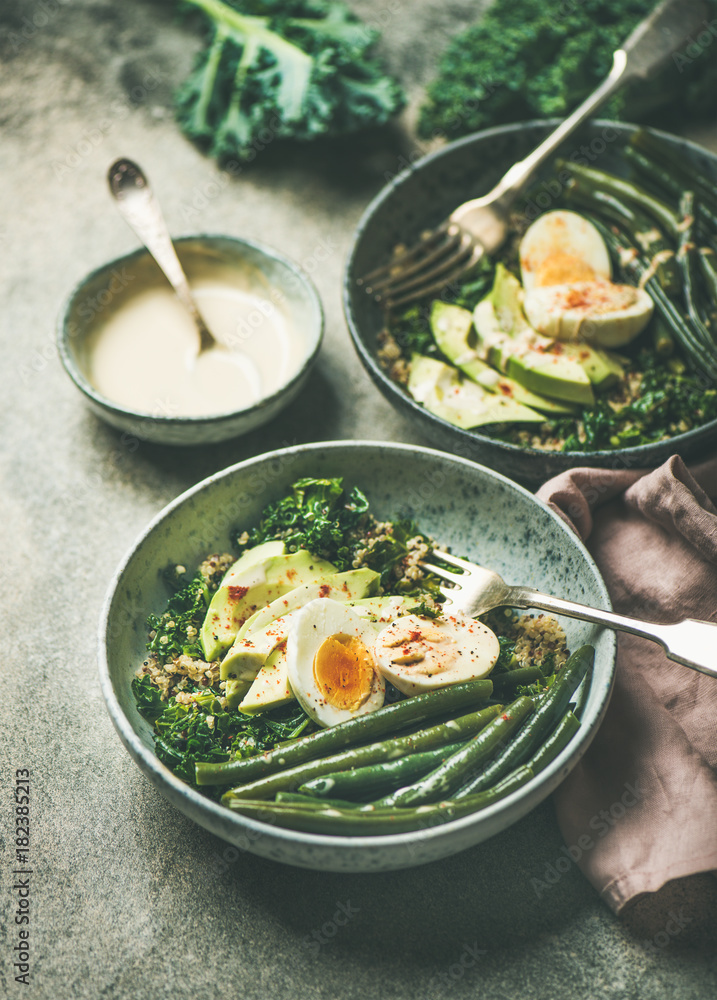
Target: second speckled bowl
421,197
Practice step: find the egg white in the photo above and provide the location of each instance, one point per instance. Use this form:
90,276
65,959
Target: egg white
556,237
318,621
419,654
597,312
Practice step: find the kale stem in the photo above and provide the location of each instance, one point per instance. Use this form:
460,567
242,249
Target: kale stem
244,27
210,77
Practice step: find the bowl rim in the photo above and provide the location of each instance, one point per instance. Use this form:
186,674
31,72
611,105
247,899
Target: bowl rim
538,788
634,456
195,420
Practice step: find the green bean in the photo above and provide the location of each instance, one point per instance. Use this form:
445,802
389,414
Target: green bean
359,730
551,708
558,739
453,772
391,749
688,258
653,174
296,798
598,179
641,230
693,347
674,162
377,779
662,339
521,675
708,266
367,822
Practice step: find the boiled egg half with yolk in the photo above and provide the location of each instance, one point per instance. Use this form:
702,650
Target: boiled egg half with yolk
418,654
565,271
330,663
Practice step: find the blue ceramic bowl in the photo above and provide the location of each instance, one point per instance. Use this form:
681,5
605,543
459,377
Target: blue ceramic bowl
102,291
476,511
419,198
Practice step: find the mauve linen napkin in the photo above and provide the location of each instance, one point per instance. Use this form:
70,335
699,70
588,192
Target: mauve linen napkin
640,808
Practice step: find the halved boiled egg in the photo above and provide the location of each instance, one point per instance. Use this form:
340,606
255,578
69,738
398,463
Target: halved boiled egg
565,269
559,247
330,663
418,654
597,312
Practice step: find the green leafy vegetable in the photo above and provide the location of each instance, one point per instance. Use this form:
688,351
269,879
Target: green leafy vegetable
176,631
283,69
317,515
528,59
203,731
669,403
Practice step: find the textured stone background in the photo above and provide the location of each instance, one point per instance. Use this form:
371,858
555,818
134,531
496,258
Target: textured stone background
127,901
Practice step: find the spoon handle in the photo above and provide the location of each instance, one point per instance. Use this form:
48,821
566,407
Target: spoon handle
140,209
692,643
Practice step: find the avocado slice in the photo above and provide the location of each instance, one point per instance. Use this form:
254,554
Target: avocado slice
270,688
252,587
512,346
246,658
260,634
603,369
453,331
445,392
348,586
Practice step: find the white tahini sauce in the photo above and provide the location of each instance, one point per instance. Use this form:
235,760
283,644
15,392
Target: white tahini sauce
142,349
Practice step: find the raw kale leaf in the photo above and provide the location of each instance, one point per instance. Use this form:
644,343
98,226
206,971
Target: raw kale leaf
278,69
530,59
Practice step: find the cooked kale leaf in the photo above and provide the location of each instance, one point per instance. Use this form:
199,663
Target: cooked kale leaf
203,731
317,515
176,631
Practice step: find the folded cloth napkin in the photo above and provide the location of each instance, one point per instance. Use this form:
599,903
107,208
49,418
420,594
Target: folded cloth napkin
640,808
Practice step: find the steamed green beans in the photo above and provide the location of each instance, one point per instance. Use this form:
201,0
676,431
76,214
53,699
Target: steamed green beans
289,779
377,779
367,821
534,731
453,772
359,730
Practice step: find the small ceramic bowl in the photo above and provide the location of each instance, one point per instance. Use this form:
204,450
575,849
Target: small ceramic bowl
93,301
472,509
421,197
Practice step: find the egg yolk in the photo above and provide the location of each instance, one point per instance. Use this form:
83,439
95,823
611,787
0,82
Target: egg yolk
343,671
560,268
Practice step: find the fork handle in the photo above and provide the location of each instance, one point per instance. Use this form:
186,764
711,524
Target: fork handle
692,643
653,41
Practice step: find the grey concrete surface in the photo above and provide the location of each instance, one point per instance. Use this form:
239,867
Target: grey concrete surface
128,898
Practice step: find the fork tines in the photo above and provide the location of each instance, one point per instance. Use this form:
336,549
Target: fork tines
437,259
449,593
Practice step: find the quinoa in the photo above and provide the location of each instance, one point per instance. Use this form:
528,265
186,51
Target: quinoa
539,639
173,677
214,568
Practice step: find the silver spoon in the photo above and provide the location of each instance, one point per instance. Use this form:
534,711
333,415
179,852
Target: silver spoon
141,211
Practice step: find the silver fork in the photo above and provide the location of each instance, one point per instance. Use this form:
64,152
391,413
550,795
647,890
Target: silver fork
476,590
479,226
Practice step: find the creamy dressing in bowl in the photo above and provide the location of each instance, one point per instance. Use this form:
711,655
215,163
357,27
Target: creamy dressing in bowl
142,350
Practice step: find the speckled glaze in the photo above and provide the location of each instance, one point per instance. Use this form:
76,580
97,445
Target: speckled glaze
299,297
474,510
421,197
